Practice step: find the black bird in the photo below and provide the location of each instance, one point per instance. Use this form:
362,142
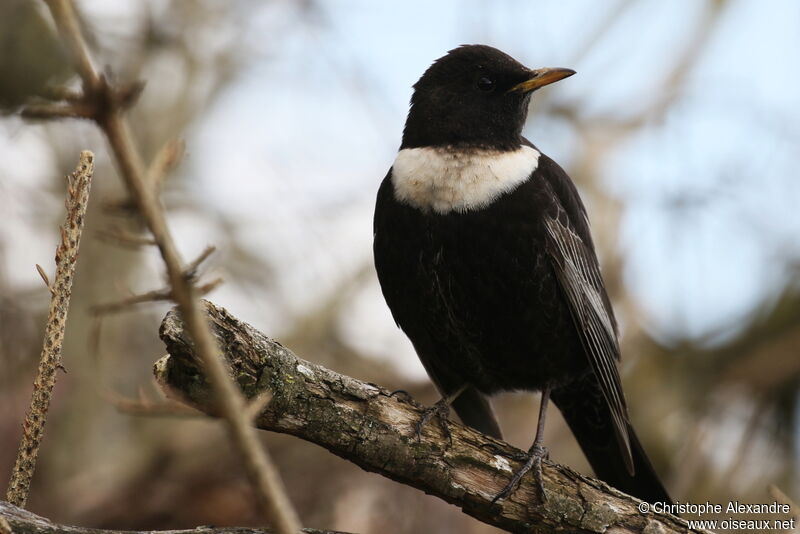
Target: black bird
484,255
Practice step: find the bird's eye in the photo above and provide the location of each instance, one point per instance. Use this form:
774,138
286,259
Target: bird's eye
485,83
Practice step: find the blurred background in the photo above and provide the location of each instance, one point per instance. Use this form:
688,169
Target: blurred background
681,129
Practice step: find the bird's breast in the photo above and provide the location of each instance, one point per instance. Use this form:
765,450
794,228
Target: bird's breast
445,179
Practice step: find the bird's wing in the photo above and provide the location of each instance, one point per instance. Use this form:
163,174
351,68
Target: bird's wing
578,274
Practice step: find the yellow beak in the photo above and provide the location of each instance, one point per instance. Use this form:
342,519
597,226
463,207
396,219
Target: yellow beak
542,77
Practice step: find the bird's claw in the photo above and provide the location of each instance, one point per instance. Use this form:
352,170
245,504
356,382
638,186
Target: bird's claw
401,393
442,411
533,463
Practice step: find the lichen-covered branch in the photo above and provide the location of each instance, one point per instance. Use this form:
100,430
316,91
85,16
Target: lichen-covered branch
78,185
21,521
364,424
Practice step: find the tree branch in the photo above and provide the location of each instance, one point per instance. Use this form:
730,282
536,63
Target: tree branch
78,185
108,103
21,521
150,296
364,424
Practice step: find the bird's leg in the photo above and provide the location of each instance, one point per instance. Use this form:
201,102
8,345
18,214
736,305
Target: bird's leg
441,410
536,454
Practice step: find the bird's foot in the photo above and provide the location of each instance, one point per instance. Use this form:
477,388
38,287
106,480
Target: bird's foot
533,462
402,393
442,411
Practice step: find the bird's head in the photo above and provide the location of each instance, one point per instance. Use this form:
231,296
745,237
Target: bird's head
475,96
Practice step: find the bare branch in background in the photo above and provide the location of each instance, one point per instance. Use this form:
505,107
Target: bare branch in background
110,103
776,493
167,159
88,106
144,407
190,271
151,296
56,110
13,519
190,274
368,426
121,237
78,185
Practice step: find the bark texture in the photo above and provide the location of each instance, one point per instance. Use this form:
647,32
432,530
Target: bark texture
19,521
79,183
364,424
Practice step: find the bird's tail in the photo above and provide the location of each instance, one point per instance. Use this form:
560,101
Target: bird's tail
588,416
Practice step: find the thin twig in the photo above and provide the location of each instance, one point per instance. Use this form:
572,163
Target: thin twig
24,522
93,339
57,110
119,207
190,271
157,295
779,495
257,404
70,31
121,237
264,476
165,161
151,296
78,185
59,92
190,274
45,279
145,407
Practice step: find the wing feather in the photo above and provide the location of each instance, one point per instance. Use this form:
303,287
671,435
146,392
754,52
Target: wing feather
579,276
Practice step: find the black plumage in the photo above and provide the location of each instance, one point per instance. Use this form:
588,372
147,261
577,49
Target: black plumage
501,290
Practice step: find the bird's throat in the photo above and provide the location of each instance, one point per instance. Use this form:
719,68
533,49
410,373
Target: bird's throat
448,179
